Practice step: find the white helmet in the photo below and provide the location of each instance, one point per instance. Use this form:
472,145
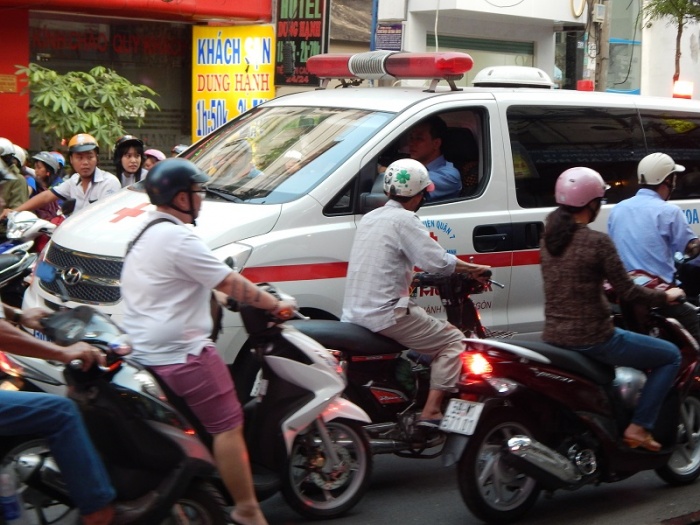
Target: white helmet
19,154
654,168
5,147
406,178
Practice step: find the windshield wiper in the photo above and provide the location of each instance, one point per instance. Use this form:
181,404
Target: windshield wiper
224,194
254,193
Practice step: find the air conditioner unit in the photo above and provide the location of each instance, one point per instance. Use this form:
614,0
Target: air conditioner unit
599,13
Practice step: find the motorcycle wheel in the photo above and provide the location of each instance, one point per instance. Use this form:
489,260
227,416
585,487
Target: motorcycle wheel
40,507
200,505
317,494
492,490
684,465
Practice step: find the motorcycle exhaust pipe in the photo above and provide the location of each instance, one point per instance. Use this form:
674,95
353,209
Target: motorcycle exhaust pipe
540,462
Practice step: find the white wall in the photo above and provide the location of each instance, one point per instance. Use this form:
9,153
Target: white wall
658,56
528,21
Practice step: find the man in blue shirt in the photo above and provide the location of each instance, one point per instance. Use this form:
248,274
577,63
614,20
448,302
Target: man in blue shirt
425,145
648,231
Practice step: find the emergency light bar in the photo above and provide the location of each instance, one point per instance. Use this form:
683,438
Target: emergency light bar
375,65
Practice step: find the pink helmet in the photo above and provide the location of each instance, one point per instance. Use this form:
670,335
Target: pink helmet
155,153
578,186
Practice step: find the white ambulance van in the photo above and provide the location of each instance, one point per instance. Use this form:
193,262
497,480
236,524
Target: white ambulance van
291,178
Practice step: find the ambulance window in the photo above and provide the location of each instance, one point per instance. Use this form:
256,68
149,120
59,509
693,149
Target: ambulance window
677,134
548,140
462,146
273,155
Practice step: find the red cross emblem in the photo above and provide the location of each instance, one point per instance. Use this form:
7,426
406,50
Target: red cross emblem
130,212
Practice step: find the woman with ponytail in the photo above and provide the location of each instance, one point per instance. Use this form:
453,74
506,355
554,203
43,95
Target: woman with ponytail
575,261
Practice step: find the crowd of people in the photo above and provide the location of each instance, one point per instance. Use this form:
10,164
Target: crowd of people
41,182
390,242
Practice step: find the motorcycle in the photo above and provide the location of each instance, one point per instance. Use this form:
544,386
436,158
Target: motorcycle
15,269
157,465
304,440
23,228
531,416
385,379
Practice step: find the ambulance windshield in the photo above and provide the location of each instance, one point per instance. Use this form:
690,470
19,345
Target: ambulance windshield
277,154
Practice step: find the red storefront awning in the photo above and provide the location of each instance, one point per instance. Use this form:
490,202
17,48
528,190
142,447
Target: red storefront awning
181,10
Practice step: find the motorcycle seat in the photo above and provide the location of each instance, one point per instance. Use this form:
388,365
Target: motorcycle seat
572,361
348,337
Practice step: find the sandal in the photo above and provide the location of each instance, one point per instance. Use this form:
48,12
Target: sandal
647,443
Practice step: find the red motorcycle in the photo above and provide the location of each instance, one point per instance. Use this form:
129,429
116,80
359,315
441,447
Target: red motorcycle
531,416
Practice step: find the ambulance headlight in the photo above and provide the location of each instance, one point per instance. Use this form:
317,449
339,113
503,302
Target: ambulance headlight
236,251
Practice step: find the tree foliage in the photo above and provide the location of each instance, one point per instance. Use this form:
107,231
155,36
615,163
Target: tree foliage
94,102
678,13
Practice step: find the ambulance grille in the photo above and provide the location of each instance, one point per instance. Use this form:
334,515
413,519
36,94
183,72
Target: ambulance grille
90,279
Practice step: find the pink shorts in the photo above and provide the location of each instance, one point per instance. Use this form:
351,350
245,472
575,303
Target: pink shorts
206,386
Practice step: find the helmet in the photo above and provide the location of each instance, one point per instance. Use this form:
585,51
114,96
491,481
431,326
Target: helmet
59,157
83,142
5,147
48,159
653,169
406,178
19,154
179,149
578,186
155,153
123,144
171,176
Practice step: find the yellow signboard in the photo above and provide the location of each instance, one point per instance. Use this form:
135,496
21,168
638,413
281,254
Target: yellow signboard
232,71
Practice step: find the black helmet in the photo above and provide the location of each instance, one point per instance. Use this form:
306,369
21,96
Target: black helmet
123,144
171,176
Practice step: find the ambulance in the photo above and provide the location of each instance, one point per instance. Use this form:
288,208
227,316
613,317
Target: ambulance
291,179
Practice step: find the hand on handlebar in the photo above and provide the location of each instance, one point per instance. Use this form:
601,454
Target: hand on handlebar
675,295
285,309
31,317
5,213
86,353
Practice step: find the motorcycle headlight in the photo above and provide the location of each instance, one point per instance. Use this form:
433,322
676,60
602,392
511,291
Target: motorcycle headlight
16,230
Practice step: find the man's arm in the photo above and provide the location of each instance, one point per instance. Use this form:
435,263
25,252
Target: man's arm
38,201
24,344
246,292
474,269
692,249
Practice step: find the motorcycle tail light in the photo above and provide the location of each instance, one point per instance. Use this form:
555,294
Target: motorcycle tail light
9,367
476,364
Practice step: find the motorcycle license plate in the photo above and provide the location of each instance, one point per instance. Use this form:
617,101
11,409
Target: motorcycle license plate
461,416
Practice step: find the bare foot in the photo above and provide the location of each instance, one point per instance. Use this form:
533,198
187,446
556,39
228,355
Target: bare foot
248,517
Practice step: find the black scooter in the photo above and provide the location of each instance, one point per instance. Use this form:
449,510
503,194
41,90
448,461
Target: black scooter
160,470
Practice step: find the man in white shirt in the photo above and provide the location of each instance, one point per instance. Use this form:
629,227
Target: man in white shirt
87,185
166,284
391,241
